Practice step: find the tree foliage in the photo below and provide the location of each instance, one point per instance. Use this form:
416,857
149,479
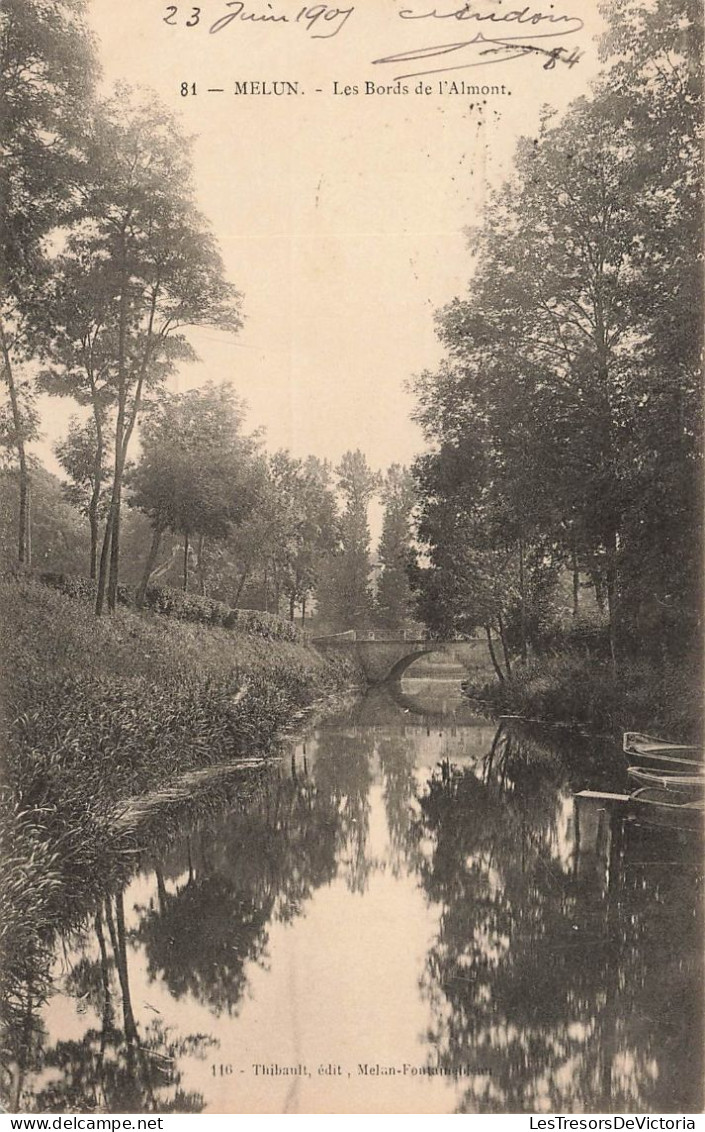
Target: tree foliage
47,70
565,423
393,600
345,598
194,476
139,266
83,456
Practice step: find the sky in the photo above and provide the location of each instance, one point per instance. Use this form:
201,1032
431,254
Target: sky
341,217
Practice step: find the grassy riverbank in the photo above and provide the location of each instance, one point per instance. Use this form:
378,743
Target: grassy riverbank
577,688
95,711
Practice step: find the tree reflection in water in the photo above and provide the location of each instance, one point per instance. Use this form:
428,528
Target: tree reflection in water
259,865
550,993
397,760
343,775
117,1066
565,972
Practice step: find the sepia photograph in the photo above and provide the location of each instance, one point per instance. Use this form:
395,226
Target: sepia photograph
351,513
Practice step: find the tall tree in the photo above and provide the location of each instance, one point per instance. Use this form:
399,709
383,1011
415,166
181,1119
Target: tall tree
308,532
571,373
239,567
193,477
59,533
149,268
655,92
82,456
47,70
344,597
394,599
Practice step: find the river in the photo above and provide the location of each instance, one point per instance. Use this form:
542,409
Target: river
406,917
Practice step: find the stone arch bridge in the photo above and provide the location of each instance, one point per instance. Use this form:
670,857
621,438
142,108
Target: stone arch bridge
385,657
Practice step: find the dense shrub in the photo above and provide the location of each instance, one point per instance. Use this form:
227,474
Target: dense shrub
578,687
266,625
185,607
182,606
85,589
206,611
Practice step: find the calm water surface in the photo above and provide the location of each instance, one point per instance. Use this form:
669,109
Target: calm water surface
409,916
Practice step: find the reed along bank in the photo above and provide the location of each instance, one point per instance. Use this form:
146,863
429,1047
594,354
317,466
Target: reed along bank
97,711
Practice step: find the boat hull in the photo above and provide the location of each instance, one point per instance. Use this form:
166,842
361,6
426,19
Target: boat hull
653,806
646,751
681,784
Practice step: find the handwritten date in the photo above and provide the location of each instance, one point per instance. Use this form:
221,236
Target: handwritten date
321,21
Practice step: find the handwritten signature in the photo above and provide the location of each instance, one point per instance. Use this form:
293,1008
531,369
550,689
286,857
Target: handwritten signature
495,48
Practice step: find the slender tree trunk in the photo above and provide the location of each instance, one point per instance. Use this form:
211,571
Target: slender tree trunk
576,581
149,566
612,525
107,1012
128,1013
93,522
201,565
104,973
115,502
503,639
117,939
292,607
104,561
110,553
493,655
24,553
186,554
24,1056
28,526
162,893
94,504
241,585
522,598
599,592
115,544
303,610
124,428
613,599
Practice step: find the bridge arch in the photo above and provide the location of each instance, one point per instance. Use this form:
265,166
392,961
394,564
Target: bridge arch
384,660
397,670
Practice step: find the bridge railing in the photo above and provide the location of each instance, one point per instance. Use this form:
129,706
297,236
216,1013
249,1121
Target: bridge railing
414,635
390,635
331,638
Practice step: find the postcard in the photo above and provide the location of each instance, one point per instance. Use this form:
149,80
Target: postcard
351,463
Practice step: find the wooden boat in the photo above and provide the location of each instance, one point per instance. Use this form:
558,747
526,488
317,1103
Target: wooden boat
645,750
650,806
673,781
654,806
